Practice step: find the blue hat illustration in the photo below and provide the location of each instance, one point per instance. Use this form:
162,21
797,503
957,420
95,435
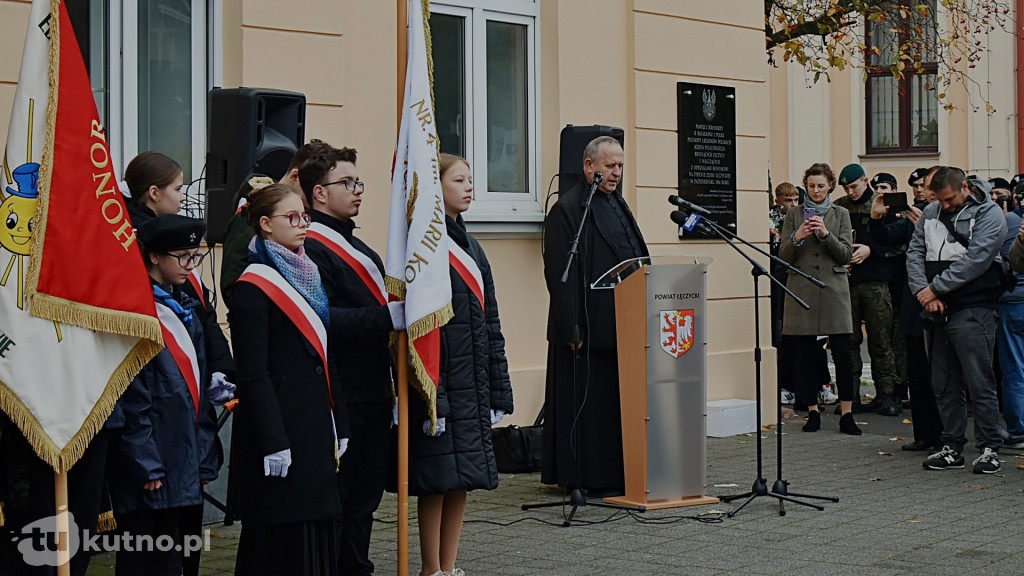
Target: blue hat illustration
26,177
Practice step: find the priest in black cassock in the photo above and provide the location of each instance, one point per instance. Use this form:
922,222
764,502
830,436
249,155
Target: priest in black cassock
582,345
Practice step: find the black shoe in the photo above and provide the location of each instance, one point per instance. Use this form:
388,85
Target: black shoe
944,459
874,405
813,421
889,406
919,446
848,426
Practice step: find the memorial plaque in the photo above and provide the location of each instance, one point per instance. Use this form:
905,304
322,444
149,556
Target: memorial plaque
707,152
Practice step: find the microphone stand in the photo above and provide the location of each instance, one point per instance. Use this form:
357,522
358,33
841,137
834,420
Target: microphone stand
780,489
579,495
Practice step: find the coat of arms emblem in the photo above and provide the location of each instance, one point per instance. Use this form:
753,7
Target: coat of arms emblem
709,104
677,327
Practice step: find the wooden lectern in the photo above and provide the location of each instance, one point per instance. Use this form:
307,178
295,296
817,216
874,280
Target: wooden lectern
662,348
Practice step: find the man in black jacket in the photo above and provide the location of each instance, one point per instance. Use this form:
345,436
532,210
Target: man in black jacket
870,299
352,275
581,328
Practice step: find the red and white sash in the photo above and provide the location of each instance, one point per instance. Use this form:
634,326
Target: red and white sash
197,284
179,344
467,269
294,306
361,263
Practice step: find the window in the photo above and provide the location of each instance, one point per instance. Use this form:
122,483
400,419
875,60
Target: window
148,65
902,113
485,92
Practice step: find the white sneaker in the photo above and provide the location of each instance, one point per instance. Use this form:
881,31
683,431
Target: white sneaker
788,397
827,396
458,572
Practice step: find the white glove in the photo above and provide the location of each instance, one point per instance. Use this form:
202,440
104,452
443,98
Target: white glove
496,416
394,415
440,427
277,463
397,310
220,389
342,446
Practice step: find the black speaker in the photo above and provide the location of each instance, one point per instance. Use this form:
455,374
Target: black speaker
573,142
249,130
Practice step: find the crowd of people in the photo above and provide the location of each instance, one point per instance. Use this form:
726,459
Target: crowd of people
308,379
930,279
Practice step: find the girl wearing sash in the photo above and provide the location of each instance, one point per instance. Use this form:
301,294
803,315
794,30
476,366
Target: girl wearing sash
153,187
286,437
166,451
473,394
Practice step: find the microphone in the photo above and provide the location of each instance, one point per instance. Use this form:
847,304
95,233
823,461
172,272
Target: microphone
598,177
687,221
678,201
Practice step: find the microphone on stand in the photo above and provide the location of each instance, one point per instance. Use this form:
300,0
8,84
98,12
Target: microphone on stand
687,221
682,203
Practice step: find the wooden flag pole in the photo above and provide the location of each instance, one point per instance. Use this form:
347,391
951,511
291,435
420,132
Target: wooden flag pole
63,555
403,336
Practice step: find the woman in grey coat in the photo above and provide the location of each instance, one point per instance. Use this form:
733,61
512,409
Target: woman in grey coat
817,238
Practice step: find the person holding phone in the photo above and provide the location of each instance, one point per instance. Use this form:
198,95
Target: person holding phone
817,238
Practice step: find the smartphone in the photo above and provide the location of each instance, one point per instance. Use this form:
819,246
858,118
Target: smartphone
809,213
896,201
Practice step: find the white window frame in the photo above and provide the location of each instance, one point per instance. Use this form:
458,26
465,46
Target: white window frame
499,207
123,137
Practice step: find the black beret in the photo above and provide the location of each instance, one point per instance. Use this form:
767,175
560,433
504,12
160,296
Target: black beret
917,175
171,232
884,178
1016,180
998,182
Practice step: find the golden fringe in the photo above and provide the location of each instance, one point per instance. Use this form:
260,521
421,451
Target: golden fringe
2,519
419,377
95,318
46,162
62,459
428,40
395,287
106,522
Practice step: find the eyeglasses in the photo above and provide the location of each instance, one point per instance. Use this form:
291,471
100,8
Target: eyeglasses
349,183
295,217
189,258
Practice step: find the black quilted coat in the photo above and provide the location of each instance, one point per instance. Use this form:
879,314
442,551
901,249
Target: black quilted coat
474,380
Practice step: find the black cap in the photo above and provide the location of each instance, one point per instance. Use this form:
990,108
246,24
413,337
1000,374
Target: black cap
884,178
998,182
917,175
1016,180
171,232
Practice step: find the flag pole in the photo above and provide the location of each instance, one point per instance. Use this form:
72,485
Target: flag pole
402,22
61,494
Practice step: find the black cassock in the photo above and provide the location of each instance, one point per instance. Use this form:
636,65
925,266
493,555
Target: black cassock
610,236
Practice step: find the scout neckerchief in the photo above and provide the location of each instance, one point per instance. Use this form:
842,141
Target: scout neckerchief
466,267
179,344
361,263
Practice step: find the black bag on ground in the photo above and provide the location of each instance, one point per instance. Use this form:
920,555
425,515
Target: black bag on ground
518,449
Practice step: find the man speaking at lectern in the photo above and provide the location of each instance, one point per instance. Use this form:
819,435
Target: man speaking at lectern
581,327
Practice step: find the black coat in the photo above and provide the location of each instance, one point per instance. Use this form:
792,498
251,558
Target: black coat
283,403
474,380
162,438
598,252
361,347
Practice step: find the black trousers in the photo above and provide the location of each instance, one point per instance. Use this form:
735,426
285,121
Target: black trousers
361,479
807,372
27,487
927,423
176,523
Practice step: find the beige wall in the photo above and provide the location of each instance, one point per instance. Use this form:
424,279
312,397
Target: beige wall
341,54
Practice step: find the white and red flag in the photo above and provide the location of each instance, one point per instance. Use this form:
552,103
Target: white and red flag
417,258
77,315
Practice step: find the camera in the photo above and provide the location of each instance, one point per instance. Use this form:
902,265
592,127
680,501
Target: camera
932,320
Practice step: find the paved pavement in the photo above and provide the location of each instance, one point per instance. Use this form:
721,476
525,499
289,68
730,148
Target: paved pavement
893,517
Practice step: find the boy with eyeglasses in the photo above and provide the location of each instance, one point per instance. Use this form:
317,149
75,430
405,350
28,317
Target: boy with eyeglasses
353,278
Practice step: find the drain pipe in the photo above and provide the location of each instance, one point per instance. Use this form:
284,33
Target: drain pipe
1019,34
